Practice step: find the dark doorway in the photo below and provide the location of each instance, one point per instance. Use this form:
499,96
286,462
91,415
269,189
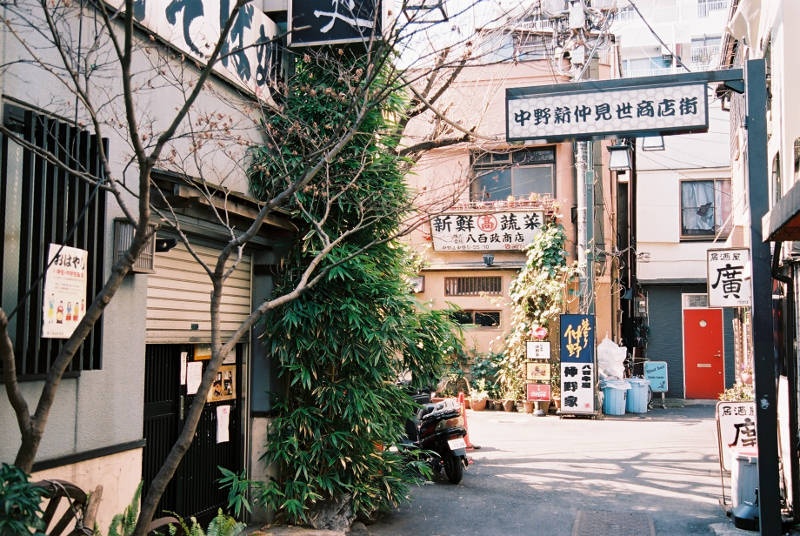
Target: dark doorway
193,490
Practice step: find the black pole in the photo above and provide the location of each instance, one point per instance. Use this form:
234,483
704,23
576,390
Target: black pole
763,349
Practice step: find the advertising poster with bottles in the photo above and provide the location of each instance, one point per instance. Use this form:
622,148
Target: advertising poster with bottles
64,302
577,364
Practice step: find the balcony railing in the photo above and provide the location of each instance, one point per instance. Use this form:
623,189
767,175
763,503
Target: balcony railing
704,56
705,8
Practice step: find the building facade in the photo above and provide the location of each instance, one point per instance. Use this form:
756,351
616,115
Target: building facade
122,401
486,198
762,31
681,200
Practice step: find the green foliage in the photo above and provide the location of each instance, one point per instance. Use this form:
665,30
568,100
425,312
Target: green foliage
738,393
237,485
20,511
222,525
342,344
538,297
124,523
485,372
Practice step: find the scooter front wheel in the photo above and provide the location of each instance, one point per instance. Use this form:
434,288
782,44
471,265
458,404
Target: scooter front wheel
453,468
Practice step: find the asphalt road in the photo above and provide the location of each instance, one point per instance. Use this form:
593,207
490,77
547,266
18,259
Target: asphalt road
637,474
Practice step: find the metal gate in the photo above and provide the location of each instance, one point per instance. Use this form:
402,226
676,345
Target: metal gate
193,490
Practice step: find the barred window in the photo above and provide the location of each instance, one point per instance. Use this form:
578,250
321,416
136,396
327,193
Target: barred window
472,286
477,318
43,203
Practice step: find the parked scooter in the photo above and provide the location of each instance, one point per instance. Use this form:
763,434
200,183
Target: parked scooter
439,428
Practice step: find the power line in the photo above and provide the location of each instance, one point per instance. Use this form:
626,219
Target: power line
658,37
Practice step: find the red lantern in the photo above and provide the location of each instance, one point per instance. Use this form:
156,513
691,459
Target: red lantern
539,333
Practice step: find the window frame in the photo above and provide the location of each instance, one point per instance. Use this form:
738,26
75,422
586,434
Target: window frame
484,163
473,315
473,285
721,225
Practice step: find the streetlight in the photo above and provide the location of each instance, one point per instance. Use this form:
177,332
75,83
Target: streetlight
653,143
619,157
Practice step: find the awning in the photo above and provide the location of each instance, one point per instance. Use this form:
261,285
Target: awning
782,222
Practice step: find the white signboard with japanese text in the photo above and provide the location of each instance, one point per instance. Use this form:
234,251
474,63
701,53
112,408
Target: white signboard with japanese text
597,112
729,277
64,302
248,58
736,428
537,350
491,231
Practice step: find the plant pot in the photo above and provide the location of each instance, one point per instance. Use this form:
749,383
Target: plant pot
509,405
467,403
528,405
477,405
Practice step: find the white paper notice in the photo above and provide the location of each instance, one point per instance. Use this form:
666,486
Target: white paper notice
184,358
223,423
194,374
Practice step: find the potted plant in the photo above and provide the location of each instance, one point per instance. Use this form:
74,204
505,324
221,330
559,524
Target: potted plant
478,396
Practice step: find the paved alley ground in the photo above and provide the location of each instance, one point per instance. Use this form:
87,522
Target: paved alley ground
632,475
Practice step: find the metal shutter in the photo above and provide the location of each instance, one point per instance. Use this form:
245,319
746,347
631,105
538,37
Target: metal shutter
178,297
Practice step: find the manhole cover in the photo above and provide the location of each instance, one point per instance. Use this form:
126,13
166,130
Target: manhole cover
602,523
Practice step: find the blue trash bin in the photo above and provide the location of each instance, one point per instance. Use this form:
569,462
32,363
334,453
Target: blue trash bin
638,395
614,394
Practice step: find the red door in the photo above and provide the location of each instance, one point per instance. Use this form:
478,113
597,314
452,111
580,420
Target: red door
703,353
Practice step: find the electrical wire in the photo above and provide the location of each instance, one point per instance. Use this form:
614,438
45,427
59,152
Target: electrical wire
655,34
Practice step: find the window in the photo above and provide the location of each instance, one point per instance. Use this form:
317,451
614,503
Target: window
706,7
705,51
694,301
472,286
646,66
705,208
477,318
499,175
40,204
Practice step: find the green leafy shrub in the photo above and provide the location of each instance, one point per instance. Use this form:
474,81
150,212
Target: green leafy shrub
20,510
342,344
538,296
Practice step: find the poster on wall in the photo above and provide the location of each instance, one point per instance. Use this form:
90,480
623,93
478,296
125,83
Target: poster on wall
577,351
64,302
224,386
